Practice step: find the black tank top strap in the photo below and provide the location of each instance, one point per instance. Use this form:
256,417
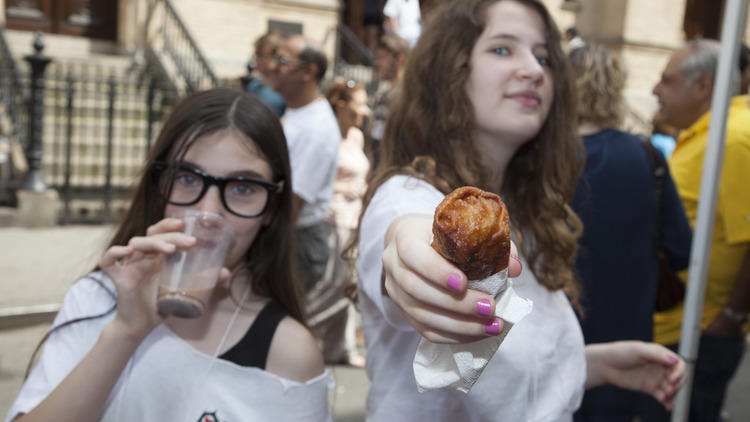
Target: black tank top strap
252,349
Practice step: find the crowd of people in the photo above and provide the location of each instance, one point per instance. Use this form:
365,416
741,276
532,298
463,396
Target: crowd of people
331,191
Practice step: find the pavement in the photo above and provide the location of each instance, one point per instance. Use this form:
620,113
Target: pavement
37,266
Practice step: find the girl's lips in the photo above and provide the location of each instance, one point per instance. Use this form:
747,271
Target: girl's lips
527,98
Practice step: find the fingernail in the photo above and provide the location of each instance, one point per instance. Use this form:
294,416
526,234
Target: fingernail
493,328
515,258
673,358
484,307
454,282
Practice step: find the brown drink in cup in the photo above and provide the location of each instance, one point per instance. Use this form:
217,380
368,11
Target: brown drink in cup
190,275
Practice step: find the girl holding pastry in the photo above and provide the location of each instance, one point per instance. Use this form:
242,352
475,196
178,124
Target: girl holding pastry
487,101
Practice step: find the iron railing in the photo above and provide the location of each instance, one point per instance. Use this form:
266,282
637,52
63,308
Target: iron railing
12,92
173,43
98,127
353,60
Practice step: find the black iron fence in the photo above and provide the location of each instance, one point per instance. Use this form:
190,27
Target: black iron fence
98,126
11,88
88,128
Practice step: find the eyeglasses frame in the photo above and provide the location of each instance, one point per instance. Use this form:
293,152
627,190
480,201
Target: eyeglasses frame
221,182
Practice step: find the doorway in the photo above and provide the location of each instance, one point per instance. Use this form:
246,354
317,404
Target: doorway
84,18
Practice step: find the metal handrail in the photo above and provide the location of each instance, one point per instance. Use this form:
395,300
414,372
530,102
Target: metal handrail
12,93
346,35
364,74
182,50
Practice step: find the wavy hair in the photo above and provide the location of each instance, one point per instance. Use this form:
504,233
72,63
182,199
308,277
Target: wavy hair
269,258
600,78
429,135
341,90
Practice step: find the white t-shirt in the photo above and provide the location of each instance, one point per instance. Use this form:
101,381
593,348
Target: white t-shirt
538,374
167,379
408,18
312,136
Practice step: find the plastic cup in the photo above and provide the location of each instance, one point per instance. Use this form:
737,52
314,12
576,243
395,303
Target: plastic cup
190,275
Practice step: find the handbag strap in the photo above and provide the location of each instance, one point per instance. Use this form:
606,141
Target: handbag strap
659,172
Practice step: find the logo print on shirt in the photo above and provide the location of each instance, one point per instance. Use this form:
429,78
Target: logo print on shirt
208,417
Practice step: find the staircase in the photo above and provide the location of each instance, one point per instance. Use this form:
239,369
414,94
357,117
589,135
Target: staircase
101,111
103,108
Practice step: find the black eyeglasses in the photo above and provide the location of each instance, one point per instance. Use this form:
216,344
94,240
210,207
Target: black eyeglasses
242,196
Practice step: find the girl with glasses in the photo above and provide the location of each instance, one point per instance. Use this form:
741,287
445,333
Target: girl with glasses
112,356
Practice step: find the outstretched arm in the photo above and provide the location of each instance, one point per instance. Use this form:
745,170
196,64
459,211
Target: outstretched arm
429,291
635,365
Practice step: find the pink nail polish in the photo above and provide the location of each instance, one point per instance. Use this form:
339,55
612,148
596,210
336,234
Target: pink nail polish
515,258
493,328
673,359
454,282
484,307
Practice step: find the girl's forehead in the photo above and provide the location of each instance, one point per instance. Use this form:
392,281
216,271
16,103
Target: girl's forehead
509,17
229,143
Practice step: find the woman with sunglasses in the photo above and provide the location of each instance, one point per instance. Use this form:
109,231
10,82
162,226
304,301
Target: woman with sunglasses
112,356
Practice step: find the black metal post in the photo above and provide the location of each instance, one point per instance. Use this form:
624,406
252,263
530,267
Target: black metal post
110,146
68,147
34,180
150,113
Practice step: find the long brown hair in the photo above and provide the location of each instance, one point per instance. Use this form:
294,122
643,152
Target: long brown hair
600,78
200,114
430,130
269,257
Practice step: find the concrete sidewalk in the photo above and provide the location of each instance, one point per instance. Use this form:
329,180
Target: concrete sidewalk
37,266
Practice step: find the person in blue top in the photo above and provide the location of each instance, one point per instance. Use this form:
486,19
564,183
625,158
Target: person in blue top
663,136
617,202
262,63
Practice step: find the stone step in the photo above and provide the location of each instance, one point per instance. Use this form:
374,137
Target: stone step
7,216
66,47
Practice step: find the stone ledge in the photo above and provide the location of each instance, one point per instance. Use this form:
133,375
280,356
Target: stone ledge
7,216
27,315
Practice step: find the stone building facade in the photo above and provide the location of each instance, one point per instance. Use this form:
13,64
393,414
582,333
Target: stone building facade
644,33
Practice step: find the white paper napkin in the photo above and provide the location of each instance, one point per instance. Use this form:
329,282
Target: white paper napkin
460,365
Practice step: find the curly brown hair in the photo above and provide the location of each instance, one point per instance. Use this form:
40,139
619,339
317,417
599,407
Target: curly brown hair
429,135
600,78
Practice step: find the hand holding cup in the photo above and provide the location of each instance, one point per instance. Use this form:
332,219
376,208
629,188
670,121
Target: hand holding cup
189,276
134,269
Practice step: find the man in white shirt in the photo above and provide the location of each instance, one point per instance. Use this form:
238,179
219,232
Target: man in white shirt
404,18
313,137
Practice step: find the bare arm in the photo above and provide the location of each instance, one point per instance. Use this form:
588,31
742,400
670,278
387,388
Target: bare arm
90,383
294,354
739,301
81,396
390,26
634,365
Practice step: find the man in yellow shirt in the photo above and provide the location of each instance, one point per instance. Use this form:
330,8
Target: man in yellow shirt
684,93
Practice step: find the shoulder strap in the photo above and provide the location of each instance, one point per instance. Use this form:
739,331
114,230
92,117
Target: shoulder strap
252,349
659,172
